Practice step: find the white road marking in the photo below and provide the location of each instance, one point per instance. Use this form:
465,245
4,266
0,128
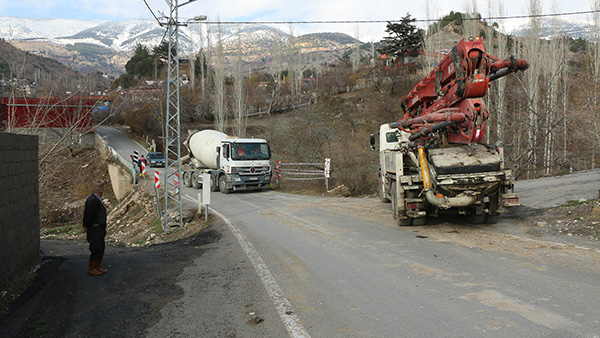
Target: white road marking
283,306
190,198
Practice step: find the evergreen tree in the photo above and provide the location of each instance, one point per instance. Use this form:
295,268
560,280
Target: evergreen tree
141,64
405,38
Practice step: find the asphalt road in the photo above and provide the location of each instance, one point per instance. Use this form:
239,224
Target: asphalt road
348,271
553,191
333,267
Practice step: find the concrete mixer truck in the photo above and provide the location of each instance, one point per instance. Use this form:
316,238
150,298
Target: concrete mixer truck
233,163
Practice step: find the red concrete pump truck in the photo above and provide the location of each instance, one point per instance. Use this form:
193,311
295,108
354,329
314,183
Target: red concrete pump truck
433,159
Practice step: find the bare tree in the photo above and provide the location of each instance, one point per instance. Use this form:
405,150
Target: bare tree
593,70
203,58
219,85
355,57
430,43
294,65
534,56
470,19
276,71
239,103
496,45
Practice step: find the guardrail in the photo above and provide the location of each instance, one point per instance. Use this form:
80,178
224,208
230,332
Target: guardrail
303,172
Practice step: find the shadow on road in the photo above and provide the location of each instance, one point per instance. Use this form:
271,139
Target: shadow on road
65,302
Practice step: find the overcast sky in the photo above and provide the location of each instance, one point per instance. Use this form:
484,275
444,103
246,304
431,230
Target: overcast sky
281,10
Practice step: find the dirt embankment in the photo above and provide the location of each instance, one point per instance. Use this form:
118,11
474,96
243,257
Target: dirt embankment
132,221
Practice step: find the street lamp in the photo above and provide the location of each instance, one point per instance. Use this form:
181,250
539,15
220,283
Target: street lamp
197,18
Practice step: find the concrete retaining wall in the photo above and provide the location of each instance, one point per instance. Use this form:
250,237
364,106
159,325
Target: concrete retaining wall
19,205
53,135
121,178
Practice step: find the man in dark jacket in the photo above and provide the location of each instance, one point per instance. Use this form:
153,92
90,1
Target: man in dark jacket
94,224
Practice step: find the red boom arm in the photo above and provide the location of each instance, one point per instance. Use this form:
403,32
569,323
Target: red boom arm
451,92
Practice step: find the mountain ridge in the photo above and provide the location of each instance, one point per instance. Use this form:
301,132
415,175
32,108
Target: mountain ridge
112,42
107,45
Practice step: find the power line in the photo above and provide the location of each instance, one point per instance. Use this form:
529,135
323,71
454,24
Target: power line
386,21
152,12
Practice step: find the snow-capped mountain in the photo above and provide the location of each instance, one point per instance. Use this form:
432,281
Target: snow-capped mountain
107,45
12,28
125,35
118,35
554,27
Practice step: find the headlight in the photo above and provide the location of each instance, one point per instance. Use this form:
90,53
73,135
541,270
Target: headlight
237,179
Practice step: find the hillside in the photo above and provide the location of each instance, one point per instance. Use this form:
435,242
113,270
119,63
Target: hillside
30,68
85,57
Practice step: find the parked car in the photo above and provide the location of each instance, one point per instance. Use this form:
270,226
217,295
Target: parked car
156,159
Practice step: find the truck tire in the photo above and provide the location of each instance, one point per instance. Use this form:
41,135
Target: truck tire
492,219
187,180
214,185
223,185
195,183
419,221
476,219
399,221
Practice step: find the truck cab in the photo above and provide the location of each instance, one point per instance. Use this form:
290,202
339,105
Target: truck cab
390,142
244,164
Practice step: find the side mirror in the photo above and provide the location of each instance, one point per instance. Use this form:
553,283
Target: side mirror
372,139
226,151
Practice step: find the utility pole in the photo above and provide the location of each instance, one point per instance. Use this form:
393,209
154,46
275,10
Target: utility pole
173,206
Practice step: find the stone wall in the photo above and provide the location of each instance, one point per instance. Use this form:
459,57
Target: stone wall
19,205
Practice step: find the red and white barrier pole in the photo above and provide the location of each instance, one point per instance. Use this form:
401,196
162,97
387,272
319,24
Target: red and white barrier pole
156,186
176,178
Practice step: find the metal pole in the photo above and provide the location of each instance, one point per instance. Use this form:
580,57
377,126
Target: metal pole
173,206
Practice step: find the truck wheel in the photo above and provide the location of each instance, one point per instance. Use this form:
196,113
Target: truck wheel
187,181
195,182
400,221
223,185
214,186
419,221
404,222
476,219
492,219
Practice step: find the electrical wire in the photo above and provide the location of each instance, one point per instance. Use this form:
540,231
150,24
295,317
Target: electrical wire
152,12
386,21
